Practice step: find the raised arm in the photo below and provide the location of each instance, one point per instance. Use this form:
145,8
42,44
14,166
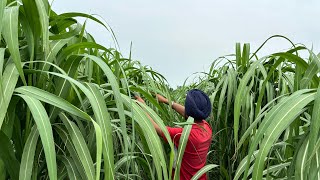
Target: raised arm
156,126
177,107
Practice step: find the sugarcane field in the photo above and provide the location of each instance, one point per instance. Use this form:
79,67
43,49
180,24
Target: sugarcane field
141,90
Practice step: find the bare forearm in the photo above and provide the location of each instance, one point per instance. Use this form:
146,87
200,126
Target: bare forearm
155,125
179,108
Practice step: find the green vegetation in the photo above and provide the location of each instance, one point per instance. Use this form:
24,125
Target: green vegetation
66,110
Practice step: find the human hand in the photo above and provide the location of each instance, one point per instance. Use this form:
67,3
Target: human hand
162,99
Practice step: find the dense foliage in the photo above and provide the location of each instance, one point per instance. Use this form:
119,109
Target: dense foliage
66,110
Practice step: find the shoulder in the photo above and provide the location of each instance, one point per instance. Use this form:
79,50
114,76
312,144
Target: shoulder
207,126
204,123
174,130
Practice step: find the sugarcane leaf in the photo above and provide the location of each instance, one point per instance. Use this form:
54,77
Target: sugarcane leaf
104,121
8,157
44,22
28,155
80,146
203,171
2,6
182,145
71,167
9,81
10,34
41,119
280,122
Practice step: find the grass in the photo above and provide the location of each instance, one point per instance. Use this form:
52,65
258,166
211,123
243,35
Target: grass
66,110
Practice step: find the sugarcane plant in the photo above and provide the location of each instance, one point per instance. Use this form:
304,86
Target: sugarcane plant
67,112
265,113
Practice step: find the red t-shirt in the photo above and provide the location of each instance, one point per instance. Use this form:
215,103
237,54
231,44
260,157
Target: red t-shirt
195,154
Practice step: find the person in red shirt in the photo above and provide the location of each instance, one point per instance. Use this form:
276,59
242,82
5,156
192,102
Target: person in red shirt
198,106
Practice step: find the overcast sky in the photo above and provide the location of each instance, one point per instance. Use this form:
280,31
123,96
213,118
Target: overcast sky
180,37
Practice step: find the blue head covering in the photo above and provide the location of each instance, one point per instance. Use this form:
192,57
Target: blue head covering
197,104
